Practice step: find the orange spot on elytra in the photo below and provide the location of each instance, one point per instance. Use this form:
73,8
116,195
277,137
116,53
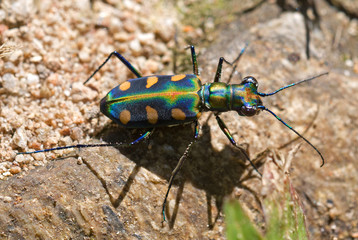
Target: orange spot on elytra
125,86
178,77
151,81
152,115
125,116
178,114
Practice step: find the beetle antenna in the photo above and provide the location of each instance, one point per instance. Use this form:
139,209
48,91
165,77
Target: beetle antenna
288,126
144,136
72,146
291,85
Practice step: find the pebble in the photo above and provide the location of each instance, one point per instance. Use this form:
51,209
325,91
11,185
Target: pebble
82,93
7,199
39,156
165,30
36,59
10,83
129,26
152,66
20,138
2,15
115,25
76,133
121,36
84,56
15,56
8,67
146,38
20,159
160,49
15,170
32,79
136,48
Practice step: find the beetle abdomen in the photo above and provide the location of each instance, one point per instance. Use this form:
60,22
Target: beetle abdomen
154,101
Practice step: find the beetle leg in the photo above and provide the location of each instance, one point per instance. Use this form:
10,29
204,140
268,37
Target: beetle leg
144,136
219,70
122,59
238,57
193,58
180,164
233,63
233,142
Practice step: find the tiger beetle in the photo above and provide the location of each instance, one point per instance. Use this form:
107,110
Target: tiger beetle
169,100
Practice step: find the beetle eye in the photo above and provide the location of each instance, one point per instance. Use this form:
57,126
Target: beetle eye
249,79
248,111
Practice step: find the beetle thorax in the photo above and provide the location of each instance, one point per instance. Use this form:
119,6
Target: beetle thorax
216,96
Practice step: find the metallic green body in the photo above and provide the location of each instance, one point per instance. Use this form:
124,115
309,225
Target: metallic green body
166,101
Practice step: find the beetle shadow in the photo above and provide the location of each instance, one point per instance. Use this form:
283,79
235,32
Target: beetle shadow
215,172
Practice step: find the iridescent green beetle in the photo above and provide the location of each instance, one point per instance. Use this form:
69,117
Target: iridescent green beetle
169,100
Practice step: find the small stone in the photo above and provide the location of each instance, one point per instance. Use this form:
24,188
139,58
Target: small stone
7,199
135,47
146,38
79,161
20,159
160,49
82,93
32,79
152,66
46,92
84,56
39,156
10,83
77,133
349,63
14,57
9,67
115,25
15,170
121,36
67,93
36,59
20,138
2,15
35,145
66,141
65,131
129,26
165,30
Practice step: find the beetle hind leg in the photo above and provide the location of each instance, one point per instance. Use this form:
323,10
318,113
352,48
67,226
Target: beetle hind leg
122,59
179,165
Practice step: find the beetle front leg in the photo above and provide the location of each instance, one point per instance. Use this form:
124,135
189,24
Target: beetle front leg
227,133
